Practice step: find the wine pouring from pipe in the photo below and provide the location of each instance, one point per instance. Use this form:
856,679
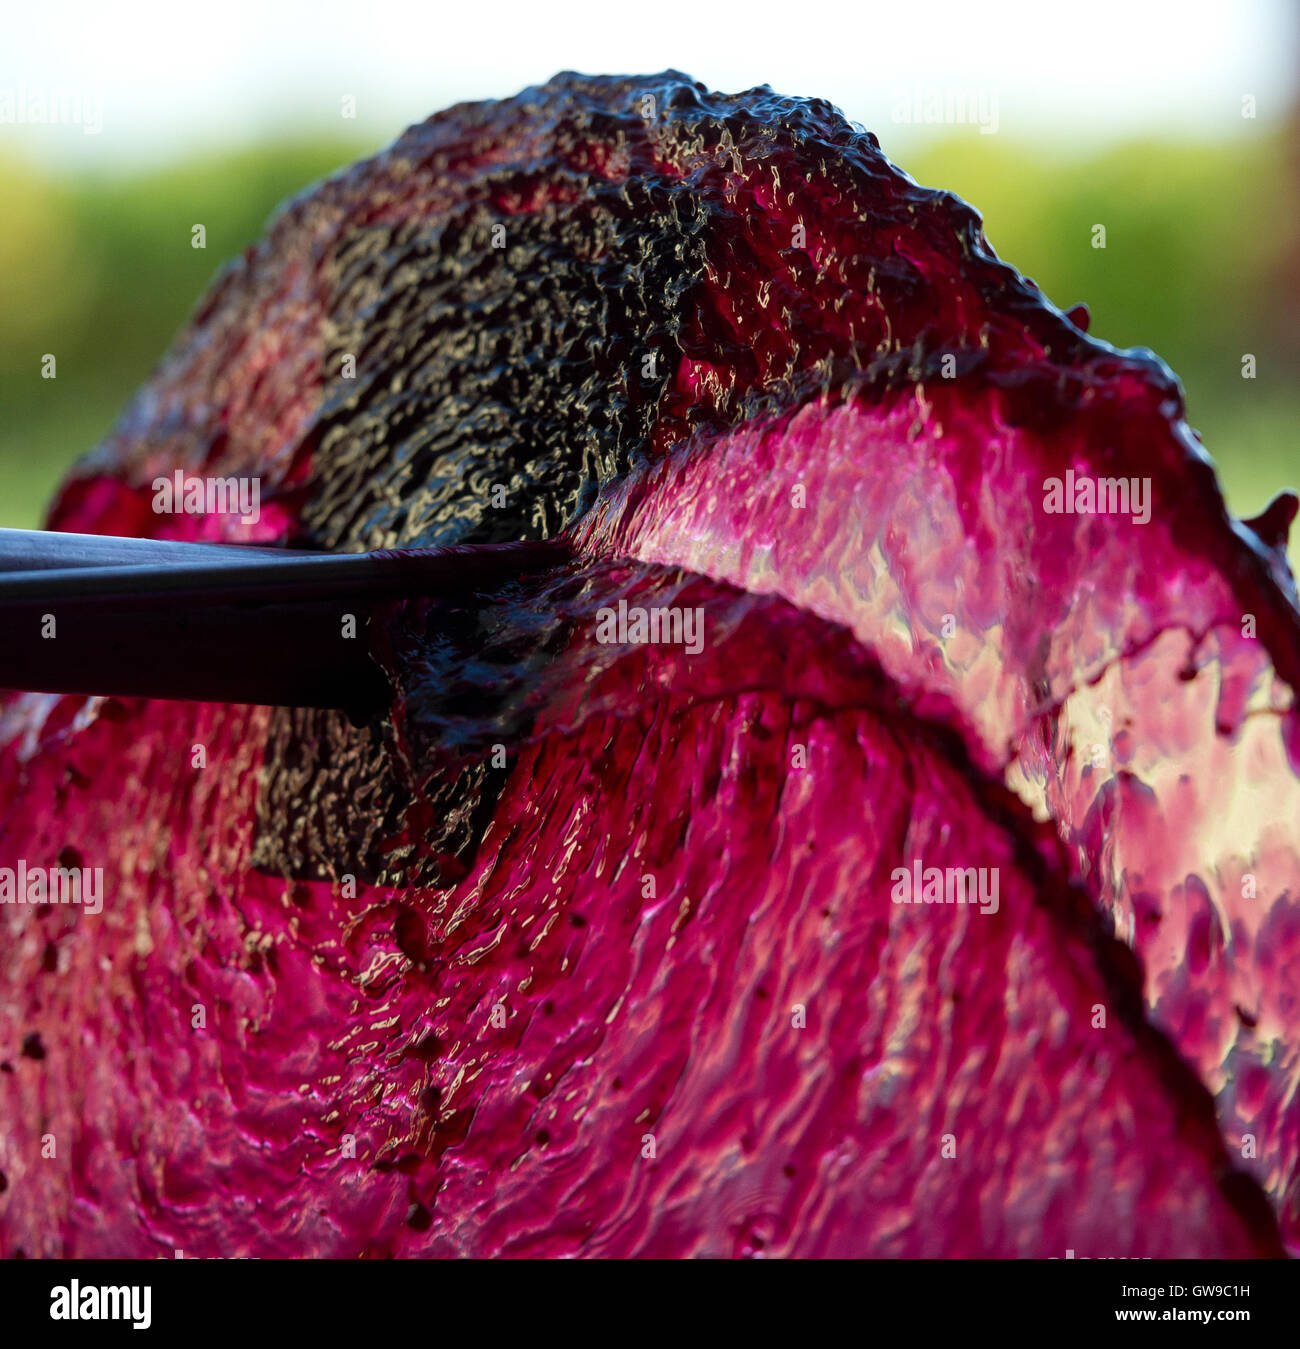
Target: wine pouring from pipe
208,622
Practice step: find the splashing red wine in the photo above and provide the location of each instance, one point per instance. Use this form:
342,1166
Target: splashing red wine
876,836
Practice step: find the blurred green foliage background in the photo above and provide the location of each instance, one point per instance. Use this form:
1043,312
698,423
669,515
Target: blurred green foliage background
1201,264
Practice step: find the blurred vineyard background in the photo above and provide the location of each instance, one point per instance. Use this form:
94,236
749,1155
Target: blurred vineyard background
1202,265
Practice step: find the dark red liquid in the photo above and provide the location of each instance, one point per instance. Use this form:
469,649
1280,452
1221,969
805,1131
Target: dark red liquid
619,970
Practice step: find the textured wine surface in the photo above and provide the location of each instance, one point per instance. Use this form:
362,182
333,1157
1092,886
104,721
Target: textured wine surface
593,945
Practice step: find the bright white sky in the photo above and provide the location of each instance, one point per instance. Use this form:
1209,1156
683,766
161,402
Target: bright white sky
172,75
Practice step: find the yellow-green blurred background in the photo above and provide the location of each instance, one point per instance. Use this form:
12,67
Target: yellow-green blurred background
1202,256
